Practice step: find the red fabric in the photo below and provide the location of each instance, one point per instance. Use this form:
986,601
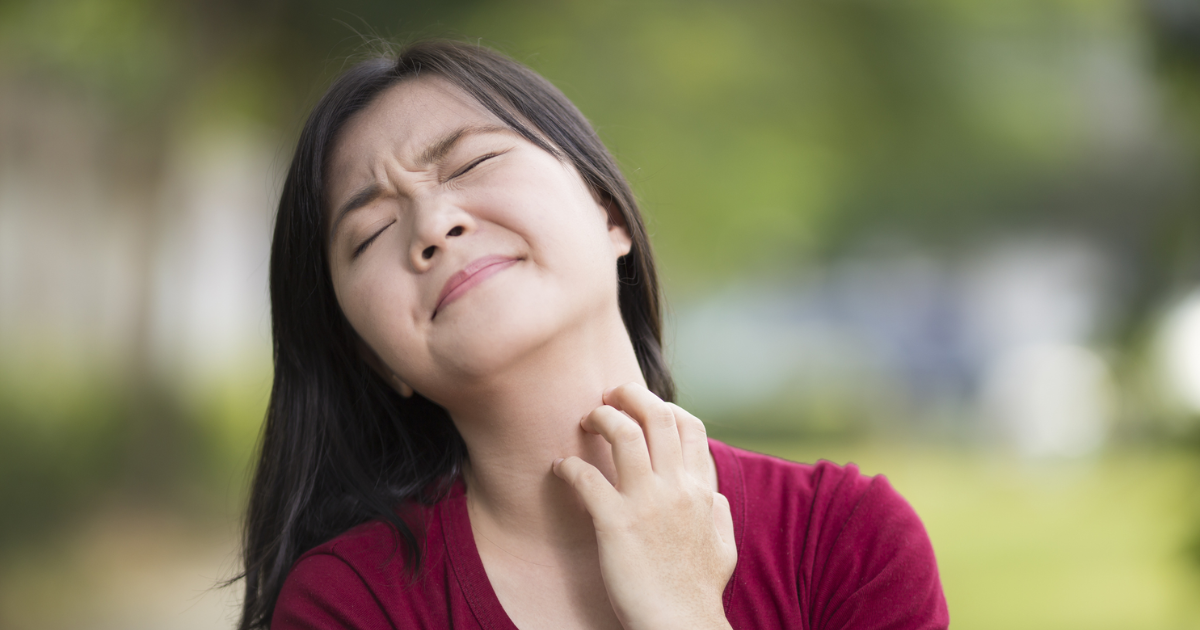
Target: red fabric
820,547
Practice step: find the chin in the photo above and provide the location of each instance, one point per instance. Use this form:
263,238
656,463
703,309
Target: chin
485,341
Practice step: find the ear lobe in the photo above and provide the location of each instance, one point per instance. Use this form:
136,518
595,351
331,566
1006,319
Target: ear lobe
376,364
618,232
404,388
621,241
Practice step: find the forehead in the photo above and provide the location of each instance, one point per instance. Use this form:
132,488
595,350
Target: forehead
402,121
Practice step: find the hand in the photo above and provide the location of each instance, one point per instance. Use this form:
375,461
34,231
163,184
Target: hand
665,535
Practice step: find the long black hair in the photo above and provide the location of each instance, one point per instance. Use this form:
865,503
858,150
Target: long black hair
340,447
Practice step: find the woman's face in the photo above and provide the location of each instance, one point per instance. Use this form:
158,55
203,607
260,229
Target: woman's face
457,248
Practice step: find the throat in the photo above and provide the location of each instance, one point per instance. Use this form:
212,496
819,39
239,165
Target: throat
536,541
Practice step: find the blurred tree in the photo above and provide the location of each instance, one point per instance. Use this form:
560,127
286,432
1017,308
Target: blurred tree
1176,25
760,135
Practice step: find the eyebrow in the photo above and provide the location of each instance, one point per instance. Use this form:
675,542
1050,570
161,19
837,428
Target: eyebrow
432,154
439,149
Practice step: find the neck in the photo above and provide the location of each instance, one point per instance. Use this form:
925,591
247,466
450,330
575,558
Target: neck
516,425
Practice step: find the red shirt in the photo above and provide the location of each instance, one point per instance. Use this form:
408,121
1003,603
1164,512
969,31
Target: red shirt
820,547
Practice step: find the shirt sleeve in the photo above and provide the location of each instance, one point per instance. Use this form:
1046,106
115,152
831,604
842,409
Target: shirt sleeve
880,571
323,592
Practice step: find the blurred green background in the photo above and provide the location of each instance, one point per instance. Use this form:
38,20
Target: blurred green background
954,241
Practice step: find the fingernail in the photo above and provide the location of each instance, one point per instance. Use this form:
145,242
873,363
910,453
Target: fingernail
557,462
608,391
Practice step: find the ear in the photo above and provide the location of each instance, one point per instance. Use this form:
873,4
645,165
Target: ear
382,370
404,388
618,231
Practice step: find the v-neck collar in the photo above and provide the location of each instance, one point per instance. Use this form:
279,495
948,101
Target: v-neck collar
468,565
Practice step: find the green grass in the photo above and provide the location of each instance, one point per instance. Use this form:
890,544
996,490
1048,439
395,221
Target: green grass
1090,544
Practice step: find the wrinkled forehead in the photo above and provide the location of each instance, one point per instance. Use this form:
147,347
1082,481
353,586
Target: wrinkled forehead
402,121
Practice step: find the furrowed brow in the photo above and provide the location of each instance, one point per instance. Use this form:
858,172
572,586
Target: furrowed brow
430,155
439,149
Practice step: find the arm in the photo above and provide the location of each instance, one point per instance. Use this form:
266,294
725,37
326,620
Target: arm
879,570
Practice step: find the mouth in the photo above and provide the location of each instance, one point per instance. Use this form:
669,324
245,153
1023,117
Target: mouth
474,273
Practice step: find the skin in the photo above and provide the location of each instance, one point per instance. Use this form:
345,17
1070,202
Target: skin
592,502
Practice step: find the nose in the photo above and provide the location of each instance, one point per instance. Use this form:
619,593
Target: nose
435,224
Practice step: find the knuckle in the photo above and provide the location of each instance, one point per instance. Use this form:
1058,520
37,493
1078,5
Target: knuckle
695,495
628,432
661,414
681,501
696,430
686,419
590,478
651,511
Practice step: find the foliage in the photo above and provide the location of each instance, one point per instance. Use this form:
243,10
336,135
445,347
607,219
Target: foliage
762,137
55,462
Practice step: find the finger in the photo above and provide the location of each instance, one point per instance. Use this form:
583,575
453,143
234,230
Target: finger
657,421
693,440
627,440
599,498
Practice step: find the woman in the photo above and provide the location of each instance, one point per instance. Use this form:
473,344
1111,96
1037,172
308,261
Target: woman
470,423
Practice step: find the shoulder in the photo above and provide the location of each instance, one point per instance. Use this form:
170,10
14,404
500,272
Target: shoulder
852,547
365,547
820,493
814,493
360,580
328,588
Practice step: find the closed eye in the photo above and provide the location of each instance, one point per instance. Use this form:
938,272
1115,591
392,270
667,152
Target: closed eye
476,162
362,247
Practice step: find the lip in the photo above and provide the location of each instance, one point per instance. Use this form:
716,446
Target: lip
474,273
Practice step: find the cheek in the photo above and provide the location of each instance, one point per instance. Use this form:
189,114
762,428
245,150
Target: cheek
552,209
382,315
